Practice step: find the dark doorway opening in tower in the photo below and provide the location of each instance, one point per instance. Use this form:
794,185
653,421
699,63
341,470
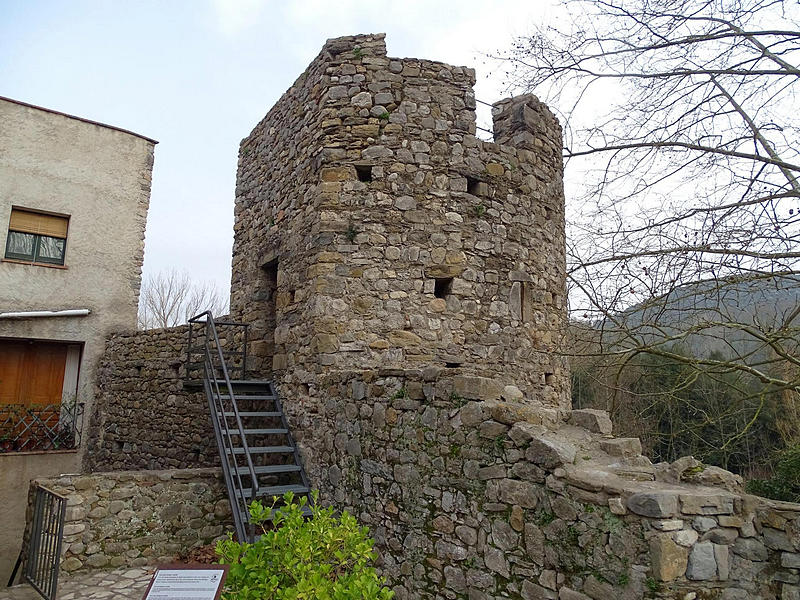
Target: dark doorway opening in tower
442,287
271,303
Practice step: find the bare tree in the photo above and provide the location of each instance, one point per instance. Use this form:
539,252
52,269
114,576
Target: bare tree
682,125
170,298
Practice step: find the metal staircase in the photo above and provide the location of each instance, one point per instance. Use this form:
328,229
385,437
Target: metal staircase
258,454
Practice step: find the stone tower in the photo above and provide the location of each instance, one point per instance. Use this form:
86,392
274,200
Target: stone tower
374,230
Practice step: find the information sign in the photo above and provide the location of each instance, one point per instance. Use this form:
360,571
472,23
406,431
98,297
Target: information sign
187,582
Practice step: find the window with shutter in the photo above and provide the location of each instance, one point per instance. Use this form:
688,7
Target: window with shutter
36,237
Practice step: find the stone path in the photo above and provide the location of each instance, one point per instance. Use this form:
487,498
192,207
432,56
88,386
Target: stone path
119,584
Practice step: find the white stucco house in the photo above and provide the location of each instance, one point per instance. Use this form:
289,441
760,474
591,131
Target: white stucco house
74,196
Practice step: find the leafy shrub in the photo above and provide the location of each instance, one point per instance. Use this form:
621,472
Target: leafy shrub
785,481
321,558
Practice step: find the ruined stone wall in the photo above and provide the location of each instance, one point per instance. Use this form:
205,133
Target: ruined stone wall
127,519
479,499
401,239
146,417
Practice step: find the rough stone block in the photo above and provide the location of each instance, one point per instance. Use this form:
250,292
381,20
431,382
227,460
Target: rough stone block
512,393
596,421
622,447
515,412
790,560
777,540
699,503
521,493
566,593
788,592
660,505
685,537
534,591
598,590
617,506
702,562
522,433
722,535
668,525
477,388
751,549
722,556
550,453
669,559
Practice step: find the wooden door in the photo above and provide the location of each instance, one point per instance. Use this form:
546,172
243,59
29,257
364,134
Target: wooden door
12,357
31,373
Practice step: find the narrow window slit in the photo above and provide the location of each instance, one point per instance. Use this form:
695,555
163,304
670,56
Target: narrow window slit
364,173
473,186
442,287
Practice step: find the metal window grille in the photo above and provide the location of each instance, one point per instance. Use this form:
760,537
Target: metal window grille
32,428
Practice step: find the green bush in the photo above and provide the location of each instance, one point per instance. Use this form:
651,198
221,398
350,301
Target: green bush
321,558
785,481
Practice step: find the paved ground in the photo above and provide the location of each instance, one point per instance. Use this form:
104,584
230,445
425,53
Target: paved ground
119,584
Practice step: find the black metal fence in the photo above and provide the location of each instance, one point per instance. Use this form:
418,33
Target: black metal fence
30,428
43,549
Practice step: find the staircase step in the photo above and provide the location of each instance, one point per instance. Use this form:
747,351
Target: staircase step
264,450
257,431
273,490
246,382
248,397
202,350
244,413
269,469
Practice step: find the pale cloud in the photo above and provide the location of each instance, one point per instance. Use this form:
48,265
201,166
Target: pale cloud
234,16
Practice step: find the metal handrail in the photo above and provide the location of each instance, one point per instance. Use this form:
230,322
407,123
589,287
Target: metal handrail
212,384
245,328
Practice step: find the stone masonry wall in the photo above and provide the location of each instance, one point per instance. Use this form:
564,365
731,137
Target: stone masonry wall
127,519
373,227
472,492
146,417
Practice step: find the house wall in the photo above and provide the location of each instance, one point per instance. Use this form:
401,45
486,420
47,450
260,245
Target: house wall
100,176
16,471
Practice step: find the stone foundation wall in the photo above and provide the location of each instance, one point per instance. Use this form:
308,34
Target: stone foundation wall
145,417
498,498
138,518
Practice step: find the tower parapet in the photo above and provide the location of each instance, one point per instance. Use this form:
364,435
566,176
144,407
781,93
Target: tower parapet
373,229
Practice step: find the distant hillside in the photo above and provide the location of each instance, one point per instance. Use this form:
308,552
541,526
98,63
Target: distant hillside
710,309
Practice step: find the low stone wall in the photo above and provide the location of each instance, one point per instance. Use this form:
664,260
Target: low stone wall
500,498
129,519
145,417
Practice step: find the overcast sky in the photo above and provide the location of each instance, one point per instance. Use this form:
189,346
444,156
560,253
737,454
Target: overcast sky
198,75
